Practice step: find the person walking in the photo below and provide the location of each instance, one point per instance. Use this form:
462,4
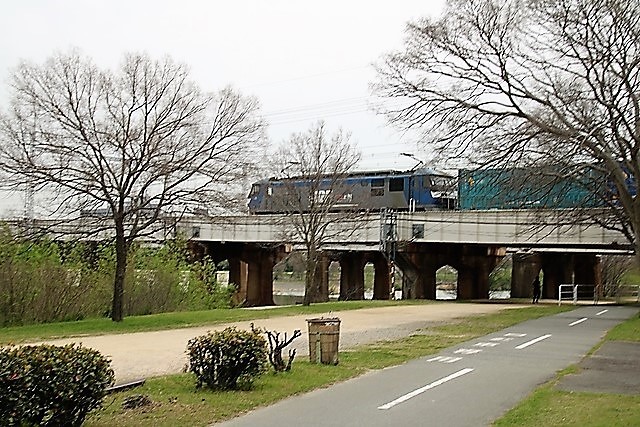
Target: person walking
536,290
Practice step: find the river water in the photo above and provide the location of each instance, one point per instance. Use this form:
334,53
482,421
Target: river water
288,296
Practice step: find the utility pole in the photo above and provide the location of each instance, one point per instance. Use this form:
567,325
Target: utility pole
388,243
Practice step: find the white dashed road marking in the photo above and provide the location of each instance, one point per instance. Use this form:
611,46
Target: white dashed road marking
425,388
486,344
601,312
467,351
444,359
577,321
511,334
533,341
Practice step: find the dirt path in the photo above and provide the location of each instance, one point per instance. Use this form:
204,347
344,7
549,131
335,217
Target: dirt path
147,354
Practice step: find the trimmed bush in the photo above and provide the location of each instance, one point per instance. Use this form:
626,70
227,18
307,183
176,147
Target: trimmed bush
228,360
51,385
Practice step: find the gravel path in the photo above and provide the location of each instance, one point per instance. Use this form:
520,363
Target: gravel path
147,354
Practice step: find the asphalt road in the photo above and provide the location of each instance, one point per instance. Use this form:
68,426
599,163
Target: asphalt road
468,385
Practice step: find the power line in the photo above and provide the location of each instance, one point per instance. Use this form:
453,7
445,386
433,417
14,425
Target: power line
326,109
307,77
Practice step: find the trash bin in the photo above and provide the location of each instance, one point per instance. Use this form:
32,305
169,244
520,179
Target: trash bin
324,335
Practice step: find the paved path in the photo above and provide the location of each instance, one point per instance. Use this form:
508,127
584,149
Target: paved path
468,385
147,354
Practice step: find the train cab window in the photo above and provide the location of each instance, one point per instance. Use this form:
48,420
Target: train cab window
396,184
441,183
255,190
377,187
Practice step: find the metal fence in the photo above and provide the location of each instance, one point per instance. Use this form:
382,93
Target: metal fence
575,293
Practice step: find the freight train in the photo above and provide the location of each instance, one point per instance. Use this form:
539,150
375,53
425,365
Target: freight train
425,189
419,189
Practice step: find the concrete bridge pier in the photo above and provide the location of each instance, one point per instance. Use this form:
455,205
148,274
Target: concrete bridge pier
526,266
419,265
475,265
587,271
259,279
381,277
352,275
238,275
250,268
557,269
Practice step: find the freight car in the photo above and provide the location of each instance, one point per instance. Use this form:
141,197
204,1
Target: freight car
526,188
419,189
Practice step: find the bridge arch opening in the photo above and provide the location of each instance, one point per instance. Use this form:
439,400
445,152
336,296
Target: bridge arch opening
500,278
446,283
369,275
288,279
334,279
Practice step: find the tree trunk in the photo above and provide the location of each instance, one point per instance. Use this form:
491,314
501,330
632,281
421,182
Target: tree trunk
309,285
309,279
121,271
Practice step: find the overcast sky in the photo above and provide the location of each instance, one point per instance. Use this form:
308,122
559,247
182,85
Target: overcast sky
304,60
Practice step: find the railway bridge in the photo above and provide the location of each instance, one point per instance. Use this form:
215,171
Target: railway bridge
419,243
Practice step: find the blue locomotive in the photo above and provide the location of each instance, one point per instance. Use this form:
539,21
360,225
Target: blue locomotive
412,190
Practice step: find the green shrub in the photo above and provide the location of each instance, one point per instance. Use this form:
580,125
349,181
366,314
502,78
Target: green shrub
46,281
51,385
228,360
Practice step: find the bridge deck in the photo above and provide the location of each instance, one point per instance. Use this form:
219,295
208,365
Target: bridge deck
516,228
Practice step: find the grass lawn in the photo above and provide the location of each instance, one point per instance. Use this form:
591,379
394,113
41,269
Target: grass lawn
176,401
548,406
155,322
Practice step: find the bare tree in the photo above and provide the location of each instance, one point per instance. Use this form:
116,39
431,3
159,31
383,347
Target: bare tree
315,196
529,83
614,268
276,345
127,147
